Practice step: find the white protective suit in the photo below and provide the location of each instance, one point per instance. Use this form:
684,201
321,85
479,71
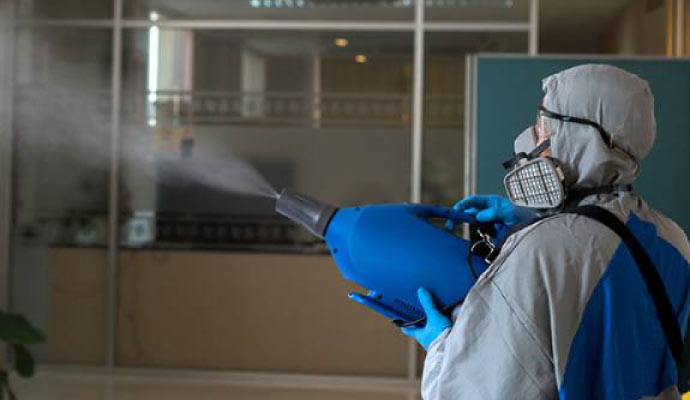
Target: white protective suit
563,312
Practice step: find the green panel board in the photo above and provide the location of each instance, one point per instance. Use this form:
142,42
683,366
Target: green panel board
509,91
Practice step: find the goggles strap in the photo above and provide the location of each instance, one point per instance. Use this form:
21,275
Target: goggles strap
608,139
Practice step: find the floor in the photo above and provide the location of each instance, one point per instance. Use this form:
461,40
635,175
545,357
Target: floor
84,384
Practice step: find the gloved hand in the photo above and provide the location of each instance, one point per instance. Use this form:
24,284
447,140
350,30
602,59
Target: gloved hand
436,322
494,208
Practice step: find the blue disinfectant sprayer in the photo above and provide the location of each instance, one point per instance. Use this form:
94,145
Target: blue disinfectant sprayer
392,250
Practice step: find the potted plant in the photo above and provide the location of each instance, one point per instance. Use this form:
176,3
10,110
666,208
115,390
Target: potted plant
16,332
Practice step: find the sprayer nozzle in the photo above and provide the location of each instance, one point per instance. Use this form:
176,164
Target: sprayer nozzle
306,211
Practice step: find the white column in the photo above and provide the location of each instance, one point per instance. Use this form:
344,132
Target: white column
533,27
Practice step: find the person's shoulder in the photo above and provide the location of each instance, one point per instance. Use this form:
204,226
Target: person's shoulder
666,228
560,244
558,232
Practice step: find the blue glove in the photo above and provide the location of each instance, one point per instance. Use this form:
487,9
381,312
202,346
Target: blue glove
494,208
436,322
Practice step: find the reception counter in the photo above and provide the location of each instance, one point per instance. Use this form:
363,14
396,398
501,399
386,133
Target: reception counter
217,310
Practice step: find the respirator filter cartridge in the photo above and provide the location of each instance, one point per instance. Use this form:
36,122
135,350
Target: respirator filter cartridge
536,183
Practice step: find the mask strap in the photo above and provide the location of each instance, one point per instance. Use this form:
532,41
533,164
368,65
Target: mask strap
513,161
539,149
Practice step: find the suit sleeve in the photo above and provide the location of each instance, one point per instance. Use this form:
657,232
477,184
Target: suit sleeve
489,353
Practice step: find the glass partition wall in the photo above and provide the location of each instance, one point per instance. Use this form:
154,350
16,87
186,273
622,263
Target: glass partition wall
139,127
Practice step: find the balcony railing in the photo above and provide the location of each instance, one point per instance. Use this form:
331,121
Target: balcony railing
248,108
292,109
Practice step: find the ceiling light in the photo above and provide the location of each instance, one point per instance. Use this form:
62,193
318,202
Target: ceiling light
153,16
360,58
341,42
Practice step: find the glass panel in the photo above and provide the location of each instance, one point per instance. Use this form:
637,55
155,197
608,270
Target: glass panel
303,110
444,106
646,29
394,10
477,10
64,8
62,110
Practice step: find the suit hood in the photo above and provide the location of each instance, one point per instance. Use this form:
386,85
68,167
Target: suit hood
619,101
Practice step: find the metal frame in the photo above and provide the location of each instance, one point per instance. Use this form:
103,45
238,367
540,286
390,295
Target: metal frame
669,8
680,28
7,40
533,27
470,125
293,25
417,143
419,26
280,25
488,26
113,199
417,103
64,23
6,145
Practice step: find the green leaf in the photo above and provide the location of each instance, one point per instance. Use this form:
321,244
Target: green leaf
5,386
23,361
14,328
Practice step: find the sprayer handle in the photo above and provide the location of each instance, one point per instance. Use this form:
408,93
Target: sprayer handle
449,213
453,217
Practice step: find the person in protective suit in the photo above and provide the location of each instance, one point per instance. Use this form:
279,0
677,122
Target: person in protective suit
566,309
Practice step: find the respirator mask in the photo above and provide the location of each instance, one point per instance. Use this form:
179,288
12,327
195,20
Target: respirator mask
537,181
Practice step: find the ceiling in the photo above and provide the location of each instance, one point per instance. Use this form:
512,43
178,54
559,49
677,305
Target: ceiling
561,21
580,15
576,22
554,13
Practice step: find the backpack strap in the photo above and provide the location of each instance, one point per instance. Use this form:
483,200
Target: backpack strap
655,286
